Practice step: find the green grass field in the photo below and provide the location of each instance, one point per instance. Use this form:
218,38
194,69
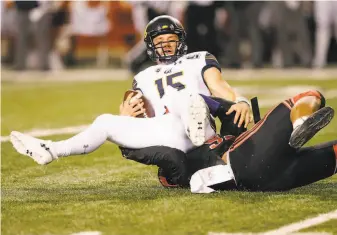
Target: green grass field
104,192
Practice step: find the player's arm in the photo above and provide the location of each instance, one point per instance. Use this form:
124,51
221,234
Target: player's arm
220,88
211,73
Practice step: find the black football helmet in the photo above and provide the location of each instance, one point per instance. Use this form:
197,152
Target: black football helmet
165,25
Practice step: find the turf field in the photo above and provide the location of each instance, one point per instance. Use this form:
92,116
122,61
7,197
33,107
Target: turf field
104,192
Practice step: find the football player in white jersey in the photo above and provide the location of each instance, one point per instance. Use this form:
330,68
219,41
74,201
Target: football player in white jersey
197,72
187,125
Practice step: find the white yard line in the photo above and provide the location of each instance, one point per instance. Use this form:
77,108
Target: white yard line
75,75
292,229
263,233
280,74
87,233
48,132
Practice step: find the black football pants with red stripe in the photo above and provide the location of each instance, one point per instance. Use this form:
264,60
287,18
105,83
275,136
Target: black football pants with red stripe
262,159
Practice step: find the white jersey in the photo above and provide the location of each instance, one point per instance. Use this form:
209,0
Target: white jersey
185,75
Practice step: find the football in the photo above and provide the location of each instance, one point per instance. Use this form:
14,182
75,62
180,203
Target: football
149,112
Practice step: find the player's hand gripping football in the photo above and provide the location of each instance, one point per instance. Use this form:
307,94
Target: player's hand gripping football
243,112
132,107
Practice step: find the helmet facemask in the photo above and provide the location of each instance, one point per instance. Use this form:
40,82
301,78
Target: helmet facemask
166,58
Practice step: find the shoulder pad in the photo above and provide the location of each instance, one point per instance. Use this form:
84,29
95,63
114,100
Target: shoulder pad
147,71
193,56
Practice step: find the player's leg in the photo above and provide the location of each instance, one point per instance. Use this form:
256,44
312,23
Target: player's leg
260,155
308,117
254,156
193,112
125,131
257,155
309,165
290,114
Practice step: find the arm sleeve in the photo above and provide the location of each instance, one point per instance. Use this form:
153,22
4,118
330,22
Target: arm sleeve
209,61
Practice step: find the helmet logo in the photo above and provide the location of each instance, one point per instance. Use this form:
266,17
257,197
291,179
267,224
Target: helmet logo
164,27
145,31
171,27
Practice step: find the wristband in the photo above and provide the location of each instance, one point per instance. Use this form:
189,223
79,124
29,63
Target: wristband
242,99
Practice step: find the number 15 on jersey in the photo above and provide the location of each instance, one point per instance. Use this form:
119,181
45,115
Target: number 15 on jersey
169,80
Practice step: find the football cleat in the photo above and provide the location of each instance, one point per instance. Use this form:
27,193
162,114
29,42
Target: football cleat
39,150
310,127
198,119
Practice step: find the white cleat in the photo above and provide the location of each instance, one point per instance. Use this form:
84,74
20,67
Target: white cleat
198,119
39,150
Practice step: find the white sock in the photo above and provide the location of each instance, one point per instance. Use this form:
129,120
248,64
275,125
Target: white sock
299,121
85,142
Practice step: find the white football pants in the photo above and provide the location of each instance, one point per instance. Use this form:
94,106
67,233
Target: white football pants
167,130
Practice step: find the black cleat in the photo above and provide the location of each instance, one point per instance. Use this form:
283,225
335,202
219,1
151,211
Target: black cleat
311,126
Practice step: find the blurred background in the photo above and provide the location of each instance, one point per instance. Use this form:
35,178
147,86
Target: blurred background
60,35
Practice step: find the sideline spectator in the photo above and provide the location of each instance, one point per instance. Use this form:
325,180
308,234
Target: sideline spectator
325,16
35,17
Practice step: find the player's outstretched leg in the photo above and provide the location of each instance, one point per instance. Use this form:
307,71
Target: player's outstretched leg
309,165
129,132
308,117
45,151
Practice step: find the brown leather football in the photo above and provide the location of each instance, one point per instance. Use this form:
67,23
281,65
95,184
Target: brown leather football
149,112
